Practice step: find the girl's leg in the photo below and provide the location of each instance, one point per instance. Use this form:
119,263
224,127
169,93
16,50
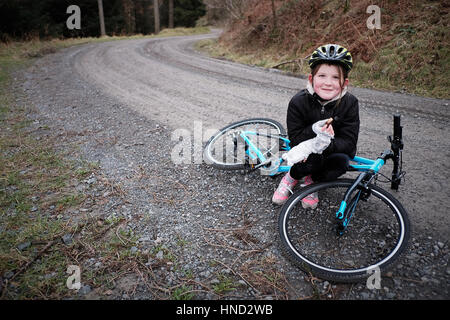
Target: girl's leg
312,165
324,169
298,171
284,189
332,167
315,168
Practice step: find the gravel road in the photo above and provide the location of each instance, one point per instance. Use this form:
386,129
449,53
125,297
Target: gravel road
126,103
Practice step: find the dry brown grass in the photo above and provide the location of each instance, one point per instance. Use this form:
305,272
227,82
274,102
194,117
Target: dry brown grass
410,52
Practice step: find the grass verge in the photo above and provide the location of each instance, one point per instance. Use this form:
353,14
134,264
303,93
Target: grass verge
44,226
382,73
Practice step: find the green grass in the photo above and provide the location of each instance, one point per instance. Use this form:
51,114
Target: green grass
33,177
183,293
224,285
407,68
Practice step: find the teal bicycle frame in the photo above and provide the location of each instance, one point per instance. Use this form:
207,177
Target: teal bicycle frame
368,168
258,159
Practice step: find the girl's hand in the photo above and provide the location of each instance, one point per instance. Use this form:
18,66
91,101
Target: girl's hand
328,128
323,127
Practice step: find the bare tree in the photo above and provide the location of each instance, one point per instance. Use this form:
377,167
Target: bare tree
102,18
274,14
233,8
129,16
156,12
170,14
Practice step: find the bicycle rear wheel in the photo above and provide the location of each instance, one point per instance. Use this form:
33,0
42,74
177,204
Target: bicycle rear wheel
376,236
226,150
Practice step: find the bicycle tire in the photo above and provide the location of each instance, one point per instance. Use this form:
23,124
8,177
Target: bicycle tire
235,163
304,231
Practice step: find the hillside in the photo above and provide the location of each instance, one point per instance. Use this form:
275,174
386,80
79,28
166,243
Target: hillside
410,53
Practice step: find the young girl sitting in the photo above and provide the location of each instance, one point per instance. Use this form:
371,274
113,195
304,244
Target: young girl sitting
325,98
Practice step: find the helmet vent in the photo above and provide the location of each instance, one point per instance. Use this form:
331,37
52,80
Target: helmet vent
332,50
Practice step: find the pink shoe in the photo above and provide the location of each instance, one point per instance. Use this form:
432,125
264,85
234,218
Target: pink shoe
312,200
284,189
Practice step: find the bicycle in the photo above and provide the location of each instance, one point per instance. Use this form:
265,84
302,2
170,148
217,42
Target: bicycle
319,240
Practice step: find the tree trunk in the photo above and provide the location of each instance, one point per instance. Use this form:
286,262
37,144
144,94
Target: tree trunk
129,16
274,14
156,12
102,18
171,14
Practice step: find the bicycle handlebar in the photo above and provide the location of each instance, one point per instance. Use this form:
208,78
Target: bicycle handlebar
396,147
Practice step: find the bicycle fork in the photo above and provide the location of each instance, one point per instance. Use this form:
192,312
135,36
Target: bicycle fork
347,208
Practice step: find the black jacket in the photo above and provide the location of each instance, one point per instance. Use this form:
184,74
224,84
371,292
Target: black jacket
305,109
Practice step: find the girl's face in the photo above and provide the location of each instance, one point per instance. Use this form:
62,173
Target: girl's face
328,82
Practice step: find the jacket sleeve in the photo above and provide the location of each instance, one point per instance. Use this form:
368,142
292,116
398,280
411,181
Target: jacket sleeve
298,130
346,136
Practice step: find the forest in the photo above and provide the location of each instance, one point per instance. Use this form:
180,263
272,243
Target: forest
46,19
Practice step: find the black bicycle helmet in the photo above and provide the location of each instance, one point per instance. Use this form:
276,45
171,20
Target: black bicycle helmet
333,53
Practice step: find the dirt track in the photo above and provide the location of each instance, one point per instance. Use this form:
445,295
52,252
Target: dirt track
130,90
167,81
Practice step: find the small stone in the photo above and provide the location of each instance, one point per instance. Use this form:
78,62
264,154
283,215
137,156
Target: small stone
242,283
364,295
50,275
85,290
67,239
226,271
205,274
23,246
91,181
390,295
144,239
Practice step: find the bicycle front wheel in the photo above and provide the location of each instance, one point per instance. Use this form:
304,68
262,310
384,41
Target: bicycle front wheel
376,236
227,151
